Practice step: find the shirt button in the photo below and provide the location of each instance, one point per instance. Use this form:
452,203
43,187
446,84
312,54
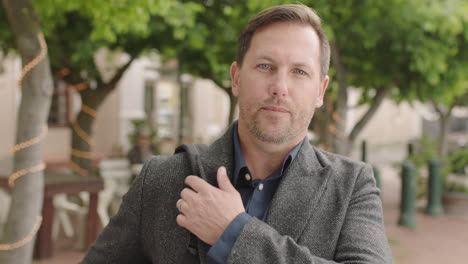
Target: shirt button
260,186
247,176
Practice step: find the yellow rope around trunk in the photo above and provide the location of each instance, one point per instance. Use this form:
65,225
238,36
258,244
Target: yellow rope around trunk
39,167
30,142
26,240
81,154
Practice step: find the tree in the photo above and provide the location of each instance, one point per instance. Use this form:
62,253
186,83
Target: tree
384,48
212,50
445,112
451,88
75,31
27,194
378,47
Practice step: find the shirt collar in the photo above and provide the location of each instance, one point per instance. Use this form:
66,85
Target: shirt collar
239,162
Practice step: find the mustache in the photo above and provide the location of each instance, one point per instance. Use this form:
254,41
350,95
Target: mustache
278,102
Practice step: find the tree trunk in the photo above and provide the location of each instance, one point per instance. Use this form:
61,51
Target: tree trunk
27,193
442,142
84,128
342,142
321,125
340,145
84,122
374,106
444,120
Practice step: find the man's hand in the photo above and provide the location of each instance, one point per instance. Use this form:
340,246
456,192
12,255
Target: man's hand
205,210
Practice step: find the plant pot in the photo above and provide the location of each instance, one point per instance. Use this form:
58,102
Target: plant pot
455,204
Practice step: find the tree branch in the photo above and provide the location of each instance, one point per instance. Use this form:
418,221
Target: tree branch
378,99
339,144
437,108
342,99
119,73
208,75
338,65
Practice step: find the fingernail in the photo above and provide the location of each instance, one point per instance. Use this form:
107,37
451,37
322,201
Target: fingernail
223,170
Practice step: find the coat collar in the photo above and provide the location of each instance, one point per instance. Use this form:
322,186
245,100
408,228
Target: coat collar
302,185
220,153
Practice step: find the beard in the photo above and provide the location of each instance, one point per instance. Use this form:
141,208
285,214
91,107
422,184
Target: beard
287,127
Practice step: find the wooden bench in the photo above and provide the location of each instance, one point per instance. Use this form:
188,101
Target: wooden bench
56,182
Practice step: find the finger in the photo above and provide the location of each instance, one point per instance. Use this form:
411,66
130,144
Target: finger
181,220
178,204
197,183
224,182
181,204
187,194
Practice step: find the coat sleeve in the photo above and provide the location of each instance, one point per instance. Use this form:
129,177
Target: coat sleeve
362,237
120,241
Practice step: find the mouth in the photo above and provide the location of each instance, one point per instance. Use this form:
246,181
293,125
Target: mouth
278,109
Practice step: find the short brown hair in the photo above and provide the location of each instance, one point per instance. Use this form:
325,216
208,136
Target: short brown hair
296,13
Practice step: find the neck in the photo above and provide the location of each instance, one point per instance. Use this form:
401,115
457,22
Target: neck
263,158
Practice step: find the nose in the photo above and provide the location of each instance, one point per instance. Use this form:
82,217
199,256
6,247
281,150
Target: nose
279,85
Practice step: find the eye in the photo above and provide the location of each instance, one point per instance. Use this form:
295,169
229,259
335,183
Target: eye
264,66
300,72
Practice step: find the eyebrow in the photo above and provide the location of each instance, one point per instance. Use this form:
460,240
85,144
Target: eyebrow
299,64
268,58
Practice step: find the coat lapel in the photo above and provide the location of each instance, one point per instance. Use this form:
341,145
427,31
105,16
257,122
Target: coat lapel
220,153
302,186
298,194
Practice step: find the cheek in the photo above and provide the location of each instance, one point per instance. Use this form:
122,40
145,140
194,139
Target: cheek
251,88
304,100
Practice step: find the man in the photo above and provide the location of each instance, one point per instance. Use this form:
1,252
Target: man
261,193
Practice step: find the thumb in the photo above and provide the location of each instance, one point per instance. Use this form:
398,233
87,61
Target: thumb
223,180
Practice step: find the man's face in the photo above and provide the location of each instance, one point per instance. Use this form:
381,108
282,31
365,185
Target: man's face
279,84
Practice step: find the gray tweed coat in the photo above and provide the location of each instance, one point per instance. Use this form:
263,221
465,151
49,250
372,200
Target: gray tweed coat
326,210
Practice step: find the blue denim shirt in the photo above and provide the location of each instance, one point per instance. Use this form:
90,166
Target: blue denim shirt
256,197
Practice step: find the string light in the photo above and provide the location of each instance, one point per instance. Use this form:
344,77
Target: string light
82,134
77,168
41,166
82,154
30,142
33,63
26,240
16,175
76,127
89,111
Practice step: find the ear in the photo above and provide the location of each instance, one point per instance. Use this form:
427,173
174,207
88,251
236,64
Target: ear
235,78
322,89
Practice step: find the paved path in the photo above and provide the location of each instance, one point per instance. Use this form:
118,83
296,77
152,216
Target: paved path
434,240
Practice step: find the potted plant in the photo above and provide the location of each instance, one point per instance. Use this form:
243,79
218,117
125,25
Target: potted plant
454,176
455,196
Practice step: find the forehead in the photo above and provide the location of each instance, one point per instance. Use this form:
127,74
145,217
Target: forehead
285,41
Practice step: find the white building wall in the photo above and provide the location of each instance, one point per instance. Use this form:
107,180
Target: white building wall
388,132
132,94
57,144
391,124
210,111
107,124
